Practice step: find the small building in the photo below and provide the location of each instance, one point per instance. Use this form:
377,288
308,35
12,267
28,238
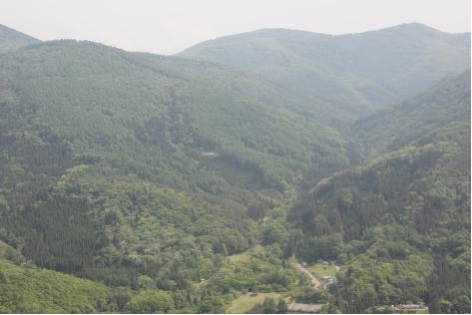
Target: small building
411,306
331,280
418,308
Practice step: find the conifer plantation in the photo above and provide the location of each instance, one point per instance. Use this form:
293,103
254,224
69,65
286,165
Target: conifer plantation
224,178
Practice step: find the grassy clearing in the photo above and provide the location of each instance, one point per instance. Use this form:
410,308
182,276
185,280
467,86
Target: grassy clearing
243,257
246,256
319,270
246,301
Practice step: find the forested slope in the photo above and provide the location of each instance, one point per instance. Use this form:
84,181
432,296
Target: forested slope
25,289
150,113
443,111
11,39
401,222
145,172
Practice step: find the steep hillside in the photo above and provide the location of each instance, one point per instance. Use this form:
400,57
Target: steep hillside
11,39
152,112
145,172
400,223
25,289
446,105
357,72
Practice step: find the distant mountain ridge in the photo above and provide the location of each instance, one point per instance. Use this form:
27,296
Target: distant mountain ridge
359,72
12,39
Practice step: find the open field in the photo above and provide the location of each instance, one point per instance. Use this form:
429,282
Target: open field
319,270
245,256
246,301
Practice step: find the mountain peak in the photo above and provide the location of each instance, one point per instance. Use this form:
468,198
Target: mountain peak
415,28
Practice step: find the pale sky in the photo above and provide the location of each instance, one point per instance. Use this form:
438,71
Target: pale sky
170,26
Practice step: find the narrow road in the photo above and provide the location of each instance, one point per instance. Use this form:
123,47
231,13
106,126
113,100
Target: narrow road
315,282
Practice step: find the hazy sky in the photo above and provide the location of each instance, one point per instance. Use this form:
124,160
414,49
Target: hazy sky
169,26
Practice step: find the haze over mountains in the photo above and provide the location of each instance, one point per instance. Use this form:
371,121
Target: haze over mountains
11,39
146,174
359,71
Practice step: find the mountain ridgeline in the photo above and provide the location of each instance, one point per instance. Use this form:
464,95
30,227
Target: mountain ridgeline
178,183
356,72
11,39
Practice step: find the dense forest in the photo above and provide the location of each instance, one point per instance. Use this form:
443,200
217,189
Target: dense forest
138,183
355,72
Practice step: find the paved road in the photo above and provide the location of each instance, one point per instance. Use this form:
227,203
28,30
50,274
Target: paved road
315,282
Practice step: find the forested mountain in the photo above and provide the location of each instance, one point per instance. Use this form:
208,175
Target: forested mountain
129,107
176,185
356,72
144,171
401,221
11,39
443,111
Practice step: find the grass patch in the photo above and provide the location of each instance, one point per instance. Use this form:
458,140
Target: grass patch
245,256
245,302
319,270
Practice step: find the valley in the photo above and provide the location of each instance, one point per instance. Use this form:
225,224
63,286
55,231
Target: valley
235,175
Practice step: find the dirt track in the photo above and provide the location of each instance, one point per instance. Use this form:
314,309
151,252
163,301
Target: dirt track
315,282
